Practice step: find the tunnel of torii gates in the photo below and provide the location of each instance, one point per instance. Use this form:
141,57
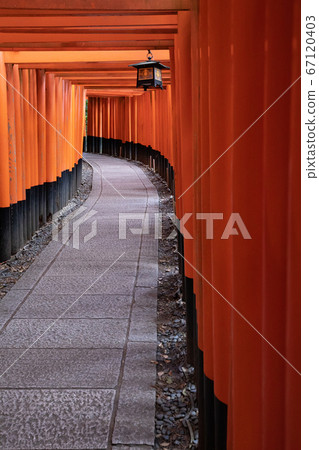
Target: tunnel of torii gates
230,61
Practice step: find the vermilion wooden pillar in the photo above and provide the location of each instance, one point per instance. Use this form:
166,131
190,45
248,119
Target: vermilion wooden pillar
184,100
5,228
276,281
293,313
42,126
19,155
51,172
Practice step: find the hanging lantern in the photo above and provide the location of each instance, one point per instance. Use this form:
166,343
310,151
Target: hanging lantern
149,73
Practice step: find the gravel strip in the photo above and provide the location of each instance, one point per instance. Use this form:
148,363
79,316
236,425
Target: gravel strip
13,269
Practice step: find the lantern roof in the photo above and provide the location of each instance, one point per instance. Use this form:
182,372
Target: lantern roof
149,63
143,64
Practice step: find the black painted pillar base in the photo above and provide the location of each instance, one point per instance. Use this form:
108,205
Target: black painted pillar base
49,200
33,209
85,148
79,173
42,205
208,437
21,205
96,144
58,196
89,147
15,225
73,176
5,234
28,214
62,196
199,374
70,184
190,318
37,207
25,221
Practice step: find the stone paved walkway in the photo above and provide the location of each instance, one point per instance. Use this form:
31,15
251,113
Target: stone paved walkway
78,330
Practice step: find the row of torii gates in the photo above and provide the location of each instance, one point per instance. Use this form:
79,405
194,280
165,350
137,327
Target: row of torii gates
230,62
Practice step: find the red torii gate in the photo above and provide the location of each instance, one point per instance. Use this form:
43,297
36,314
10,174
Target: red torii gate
229,63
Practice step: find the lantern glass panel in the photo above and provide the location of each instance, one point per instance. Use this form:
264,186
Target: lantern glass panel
158,74
145,73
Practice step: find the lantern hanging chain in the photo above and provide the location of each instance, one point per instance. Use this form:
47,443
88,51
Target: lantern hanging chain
150,55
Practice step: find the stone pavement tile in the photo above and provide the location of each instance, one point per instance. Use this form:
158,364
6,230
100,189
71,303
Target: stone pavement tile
107,223
90,268
73,268
147,272
64,284
134,423
131,203
140,369
153,201
132,200
129,447
65,333
153,198
98,306
106,250
143,324
60,368
49,252
124,218
114,283
55,419
104,230
146,297
32,275
149,246
9,303
152,212
109,238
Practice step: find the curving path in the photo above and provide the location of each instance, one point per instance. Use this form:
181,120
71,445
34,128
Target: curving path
78,330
